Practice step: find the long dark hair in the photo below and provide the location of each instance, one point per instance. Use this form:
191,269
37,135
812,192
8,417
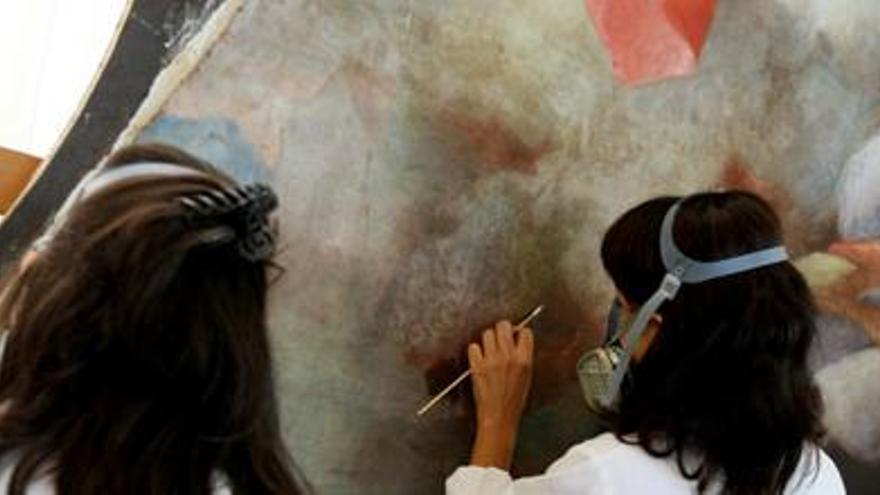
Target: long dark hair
726,376
138,358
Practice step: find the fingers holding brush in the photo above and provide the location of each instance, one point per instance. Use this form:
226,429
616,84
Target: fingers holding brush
475,355
509,343
524,349
502,373
490,344
504,333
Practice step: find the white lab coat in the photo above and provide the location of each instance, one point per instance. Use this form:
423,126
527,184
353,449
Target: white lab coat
607,466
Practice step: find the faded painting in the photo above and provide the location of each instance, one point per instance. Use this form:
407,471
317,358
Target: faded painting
444,164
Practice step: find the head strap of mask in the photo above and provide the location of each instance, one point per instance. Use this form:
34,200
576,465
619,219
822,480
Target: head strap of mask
682,269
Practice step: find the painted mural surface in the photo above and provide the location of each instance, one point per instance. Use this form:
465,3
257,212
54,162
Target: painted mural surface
443,164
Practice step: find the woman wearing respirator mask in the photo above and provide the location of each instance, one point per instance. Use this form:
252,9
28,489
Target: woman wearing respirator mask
703,380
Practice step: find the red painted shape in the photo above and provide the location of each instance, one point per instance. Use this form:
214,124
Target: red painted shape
692,19
651,40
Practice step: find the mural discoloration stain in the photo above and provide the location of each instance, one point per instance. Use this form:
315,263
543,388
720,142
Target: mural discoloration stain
499,147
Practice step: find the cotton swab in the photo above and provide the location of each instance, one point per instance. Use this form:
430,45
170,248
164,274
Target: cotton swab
443,393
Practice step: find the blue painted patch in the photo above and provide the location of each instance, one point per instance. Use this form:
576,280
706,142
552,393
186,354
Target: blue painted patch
216,140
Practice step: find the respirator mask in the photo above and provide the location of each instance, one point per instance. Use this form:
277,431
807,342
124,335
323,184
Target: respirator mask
601,371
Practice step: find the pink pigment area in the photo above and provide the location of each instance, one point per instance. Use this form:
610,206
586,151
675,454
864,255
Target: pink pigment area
652,40
737,175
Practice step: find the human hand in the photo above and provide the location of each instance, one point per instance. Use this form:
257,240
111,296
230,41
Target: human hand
502,374
866,254
843,298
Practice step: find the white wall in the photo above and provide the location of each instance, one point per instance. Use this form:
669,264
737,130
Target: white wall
49,52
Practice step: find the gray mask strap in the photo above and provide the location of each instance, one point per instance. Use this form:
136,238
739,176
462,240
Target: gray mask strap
668,290
682,269
691,271
612,326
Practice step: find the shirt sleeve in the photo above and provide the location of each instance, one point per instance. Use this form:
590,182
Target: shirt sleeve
572,474
468,480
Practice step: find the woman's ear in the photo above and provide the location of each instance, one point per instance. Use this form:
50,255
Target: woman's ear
648,337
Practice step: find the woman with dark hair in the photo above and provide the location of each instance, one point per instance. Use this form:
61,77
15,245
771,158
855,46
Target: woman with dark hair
136,358
718,397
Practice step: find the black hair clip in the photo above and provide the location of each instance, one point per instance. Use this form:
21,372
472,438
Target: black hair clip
248,207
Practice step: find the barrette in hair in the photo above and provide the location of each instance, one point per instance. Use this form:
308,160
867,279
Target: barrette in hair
250,205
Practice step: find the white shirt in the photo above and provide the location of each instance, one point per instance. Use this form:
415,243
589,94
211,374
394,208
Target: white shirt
607,466
43,484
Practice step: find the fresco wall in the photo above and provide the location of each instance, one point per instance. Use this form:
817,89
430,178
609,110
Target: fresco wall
443,164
